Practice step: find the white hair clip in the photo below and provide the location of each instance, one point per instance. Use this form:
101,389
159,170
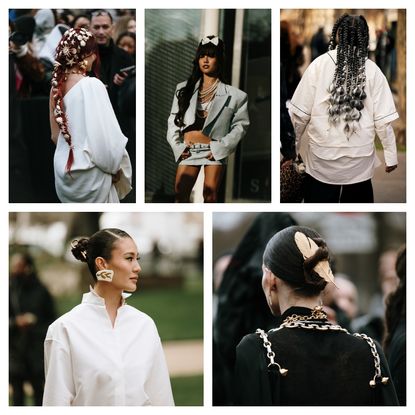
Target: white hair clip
206,40
308,248
105,275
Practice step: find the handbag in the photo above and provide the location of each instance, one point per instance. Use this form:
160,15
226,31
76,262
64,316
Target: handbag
292,175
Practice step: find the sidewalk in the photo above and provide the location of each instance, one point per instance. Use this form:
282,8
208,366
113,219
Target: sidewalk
390,187
185,357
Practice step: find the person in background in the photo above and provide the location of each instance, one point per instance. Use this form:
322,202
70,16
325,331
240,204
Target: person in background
241,306
112,58
31,310
45,22
30,72
373,323
81,21
394,341
126,41
123,24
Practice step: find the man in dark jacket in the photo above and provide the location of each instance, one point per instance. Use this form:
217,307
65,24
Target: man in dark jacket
112,58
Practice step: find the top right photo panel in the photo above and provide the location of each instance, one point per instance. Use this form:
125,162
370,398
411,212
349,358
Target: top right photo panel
343,105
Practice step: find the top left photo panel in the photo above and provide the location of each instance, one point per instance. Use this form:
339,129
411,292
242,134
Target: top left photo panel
72,105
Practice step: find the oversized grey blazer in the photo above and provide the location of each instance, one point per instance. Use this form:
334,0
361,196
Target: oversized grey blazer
226,123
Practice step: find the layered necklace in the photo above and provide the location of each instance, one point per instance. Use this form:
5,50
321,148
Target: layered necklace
206,97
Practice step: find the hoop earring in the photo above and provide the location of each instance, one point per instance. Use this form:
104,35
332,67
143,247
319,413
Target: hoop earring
105,275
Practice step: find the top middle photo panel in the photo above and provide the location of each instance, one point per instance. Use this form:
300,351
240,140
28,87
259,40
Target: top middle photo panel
208,105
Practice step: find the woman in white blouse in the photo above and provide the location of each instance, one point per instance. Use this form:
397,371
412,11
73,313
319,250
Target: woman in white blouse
91,163
341,103
104,352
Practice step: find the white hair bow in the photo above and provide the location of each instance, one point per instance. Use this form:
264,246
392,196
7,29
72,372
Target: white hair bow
214,40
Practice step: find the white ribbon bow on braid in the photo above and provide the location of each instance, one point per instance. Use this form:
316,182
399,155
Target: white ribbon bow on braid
214,40
308,248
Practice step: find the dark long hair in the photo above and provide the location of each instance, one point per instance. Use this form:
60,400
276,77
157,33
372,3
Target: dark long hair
184,94
396,301
100,244
347,91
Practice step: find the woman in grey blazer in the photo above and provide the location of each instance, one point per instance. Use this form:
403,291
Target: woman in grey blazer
207,120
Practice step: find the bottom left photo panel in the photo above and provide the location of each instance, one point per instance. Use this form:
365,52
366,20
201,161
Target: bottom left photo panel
105,309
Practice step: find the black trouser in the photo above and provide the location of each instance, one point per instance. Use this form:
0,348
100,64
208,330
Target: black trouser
319,192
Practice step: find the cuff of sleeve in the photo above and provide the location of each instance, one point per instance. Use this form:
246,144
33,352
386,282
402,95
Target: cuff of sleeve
379,122
217,150
391,157
293,108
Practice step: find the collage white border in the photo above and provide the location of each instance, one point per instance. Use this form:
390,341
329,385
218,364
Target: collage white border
140,206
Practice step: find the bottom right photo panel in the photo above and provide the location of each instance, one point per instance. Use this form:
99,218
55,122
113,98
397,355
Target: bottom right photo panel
309,308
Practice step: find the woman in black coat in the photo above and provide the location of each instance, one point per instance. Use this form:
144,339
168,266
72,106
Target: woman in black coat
306,360
395,337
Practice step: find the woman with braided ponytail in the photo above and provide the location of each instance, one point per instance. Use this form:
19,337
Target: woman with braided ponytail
341,103
90,162
306,360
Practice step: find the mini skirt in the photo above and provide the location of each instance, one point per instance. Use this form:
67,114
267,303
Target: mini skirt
198,156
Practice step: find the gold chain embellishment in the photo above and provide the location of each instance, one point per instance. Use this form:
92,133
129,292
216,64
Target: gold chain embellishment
303,322
316,314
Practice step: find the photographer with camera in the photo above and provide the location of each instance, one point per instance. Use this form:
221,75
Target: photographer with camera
30,72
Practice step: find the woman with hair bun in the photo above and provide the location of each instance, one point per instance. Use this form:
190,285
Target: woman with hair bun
306,360
90,162
341,104
207,120
104,352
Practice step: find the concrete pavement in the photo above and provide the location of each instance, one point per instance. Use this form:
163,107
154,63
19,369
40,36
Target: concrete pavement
184,357
390,187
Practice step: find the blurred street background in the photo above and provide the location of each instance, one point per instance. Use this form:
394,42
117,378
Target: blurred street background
170,287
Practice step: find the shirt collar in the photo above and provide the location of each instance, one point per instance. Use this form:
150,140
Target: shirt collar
93,298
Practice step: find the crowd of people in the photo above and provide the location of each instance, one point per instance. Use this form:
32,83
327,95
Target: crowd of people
34,35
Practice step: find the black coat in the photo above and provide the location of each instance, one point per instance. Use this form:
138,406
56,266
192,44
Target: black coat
28,295
324,368
397,360
112,59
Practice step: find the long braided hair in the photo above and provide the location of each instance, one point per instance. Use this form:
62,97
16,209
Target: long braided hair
73,48
184,94
347,90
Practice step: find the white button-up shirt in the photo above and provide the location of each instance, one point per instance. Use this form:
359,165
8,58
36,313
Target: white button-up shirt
90,362
330,156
